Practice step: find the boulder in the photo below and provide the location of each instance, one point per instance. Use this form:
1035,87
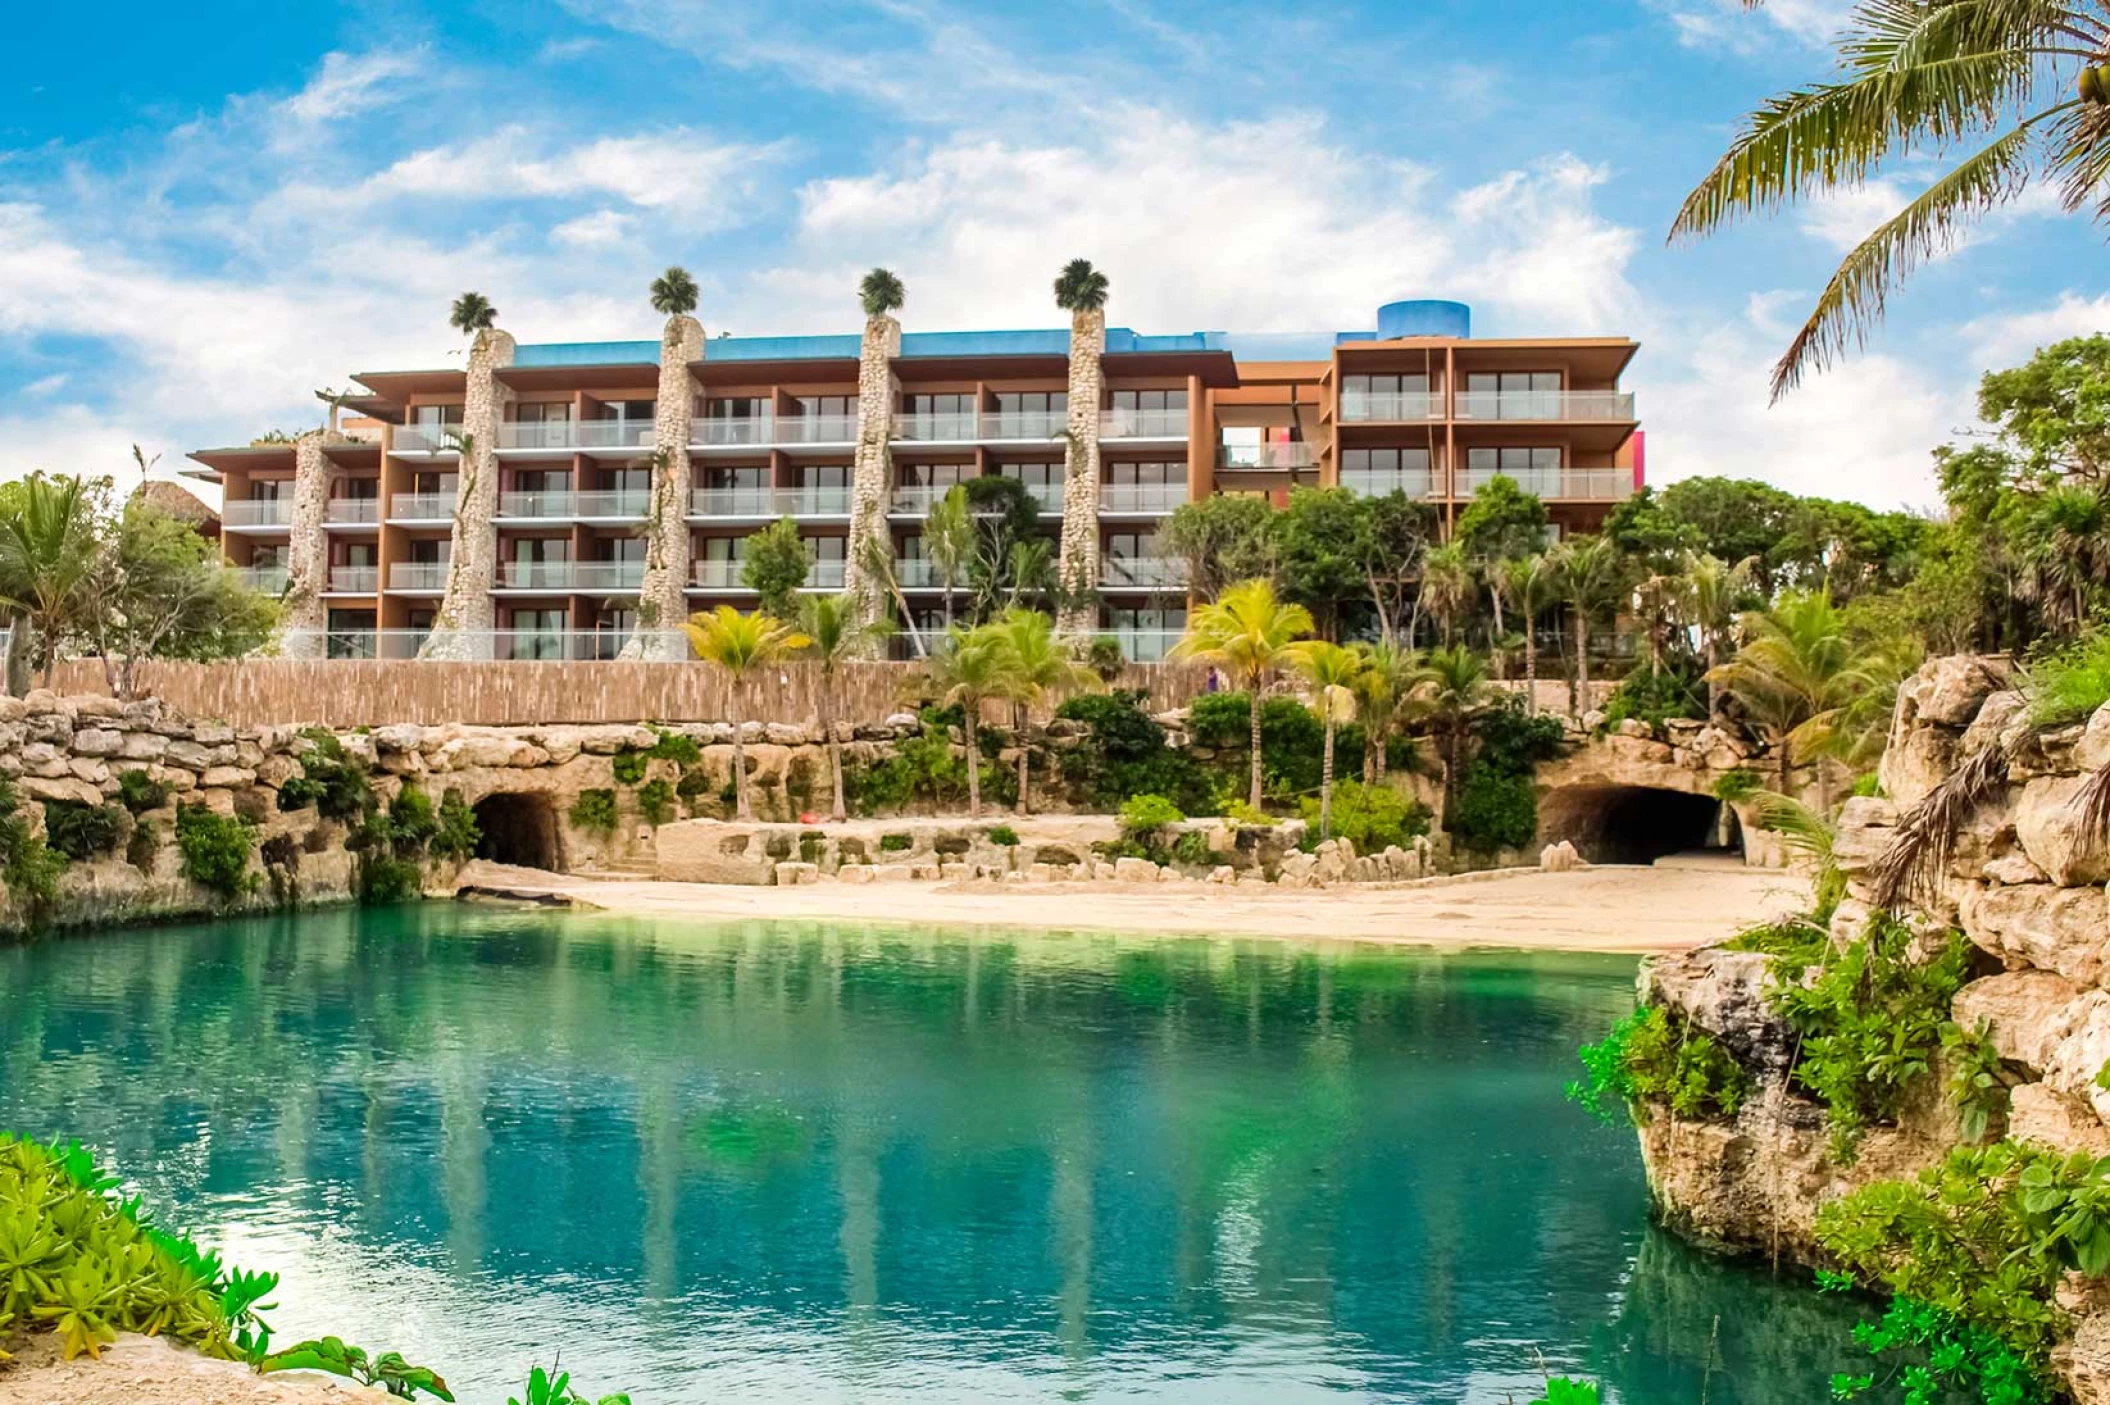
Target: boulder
1223,873
2038,1113
791,875
2036,924
1948,691
2048,826
2028,1012
1723,993
855,873
2092,751
228,777
143,746
1134,870
69,787
98,741
1559,858
2079,1056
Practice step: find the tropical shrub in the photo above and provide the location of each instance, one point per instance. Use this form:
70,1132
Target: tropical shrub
594,810
215,850
1656,697
1144,817
2069,684
1496,805
29,865
1371,817
1560,1390
388,1370
1737,783
1192,849
82,831
1003,834
139,792
1292,740
554,1388
458,832
1123,753
1652,1059
896,843
629,766
655,801
678,747
333,781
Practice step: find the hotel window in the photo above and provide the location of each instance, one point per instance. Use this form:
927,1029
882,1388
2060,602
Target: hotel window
265,557
539,634
541,550
436,416
365,488
432,483
429,551
821,406
722,549
938,416
632,410
934,475
1149,473
618,549
824,475
733,476
937,404
1375,472
1042,479
1128,546
1147,400
1514,395
269,489
351,634
1535,470
542,412
541,480
1385,397
736,407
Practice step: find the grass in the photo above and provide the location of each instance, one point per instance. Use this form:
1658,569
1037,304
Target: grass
2069,684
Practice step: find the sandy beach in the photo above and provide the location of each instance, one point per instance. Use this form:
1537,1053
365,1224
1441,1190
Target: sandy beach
1671,907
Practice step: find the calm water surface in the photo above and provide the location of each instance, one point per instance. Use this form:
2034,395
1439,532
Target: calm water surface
772,1162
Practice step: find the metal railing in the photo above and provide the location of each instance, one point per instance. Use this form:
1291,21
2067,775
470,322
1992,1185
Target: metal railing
757,431
269,579
257,512
1145,645
1143,571
485,645
351,512
612,502
1567,484
956,428
1024,424
758,501
535,575
1386,406
559,503
1544,405
717,575
1377,483
1141,497
421,507
354,580
816,429
417,575
812,501
607,575
917,498
1142,424
1266,456
578,434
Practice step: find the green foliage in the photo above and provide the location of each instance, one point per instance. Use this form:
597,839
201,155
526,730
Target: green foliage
30,867
2069,684
216,850
594,810
1292,740
77,1262
924,769
392,846
1003,834
1238,812
1145,817
775,566
629,767
333,781
1978,1078
1372,817
1867,784
1796,943
678,747
458,832
1649,1060
1656,697
1223,538
655,801
1494,811
139,792
82,831
1560,1390
389,1370
1738,783
896,843
1870,1019
1502,521
554,1387
1123,753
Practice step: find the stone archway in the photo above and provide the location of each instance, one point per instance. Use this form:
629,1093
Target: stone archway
521,829
1638,824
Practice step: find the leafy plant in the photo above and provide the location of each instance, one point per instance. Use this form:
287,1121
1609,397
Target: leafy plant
1655,696
388,1370
1003,834
896,843
1649,1059
30,866
594,810
1143,817
216,850
554,1388
458,832
333,781
82,831
1192,849
678,747
2069,684
1561,1390
629,767
1737,783
1372,817
1978,1077
655,801
139,792
1494,810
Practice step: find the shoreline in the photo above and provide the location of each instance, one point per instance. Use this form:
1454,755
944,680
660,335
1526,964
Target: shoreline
1613,909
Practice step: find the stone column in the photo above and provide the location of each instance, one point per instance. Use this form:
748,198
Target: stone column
869,487
462,627
1078,568
304,619
661,604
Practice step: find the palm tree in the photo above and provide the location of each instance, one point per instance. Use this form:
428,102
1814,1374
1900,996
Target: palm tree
1662,596
835,633
1080,287
1717,589
949,540
1081,291
1591,575
472,314
1447,585
674,292
48,559
2066,558
1388,675
1531,584
881,291
1921,76
740,644
1039,665
1250,635
1331,670
972,665
876,556
1796,670
1453,688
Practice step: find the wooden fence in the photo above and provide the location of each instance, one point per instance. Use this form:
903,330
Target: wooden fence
368,692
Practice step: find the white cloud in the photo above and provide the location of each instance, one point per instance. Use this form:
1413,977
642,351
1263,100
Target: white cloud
1722,25
350,83
684,169
2009,339
600,230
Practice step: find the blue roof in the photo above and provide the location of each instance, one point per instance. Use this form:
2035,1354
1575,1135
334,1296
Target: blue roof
1053,341
588,353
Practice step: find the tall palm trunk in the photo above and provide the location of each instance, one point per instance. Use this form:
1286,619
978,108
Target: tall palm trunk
743,809
1375,750
836,811
1714,686
1326,784
18,660
1531,669
1253,701
1494,640
974,759
1025,760
1582,659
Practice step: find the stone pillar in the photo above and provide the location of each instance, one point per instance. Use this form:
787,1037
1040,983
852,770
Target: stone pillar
462,627
304,619
661,604
869,487
1078,568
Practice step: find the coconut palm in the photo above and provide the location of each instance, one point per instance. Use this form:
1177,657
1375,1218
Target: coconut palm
1250,635
949,540
1921,76
1531,584
1080,287
472,314
1081,291
1661,597
1717,590
1591,578
876,555
1447,585
1331,670
48,560
2066,554
881,291
972,665
1796,671
1382,687
674,292
1453,688
1039,665
740,644
835,633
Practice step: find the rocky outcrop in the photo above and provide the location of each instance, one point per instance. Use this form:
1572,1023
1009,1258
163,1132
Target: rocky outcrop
662,604
872,469
1078,565
304,621
462,626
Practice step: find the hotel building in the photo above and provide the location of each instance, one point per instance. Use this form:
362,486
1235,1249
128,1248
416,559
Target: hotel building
571,442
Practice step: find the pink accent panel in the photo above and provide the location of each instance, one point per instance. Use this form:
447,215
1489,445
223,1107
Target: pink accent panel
1640,458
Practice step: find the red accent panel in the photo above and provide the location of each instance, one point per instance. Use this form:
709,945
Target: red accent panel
1640,458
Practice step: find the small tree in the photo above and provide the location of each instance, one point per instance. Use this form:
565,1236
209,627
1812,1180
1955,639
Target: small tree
1383,687
674,293
835,633
1039,665
1448,588
1531,585
1453,688
472,314
1591,578
1223,539
971,665
881,292
161,592
1250,635
1717,589
740,644
775,566
48,558
1797,671
949,541
1331,670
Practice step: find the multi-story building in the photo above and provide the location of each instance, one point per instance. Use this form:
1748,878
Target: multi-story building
772,428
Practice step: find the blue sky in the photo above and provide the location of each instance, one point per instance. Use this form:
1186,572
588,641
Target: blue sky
208,211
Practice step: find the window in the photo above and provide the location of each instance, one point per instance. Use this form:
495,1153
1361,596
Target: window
367,489
935,475
541,549
542,480
722,549
432,483
619,549
1384,385
818,406
430,551
1127,546
436,416
1147,473
630,480
1380,471
937,404
270,489
1032,474
726,476
737,407
539,634
835,549
1148,400
1535,470
1513,395
543,412
350,634
825,475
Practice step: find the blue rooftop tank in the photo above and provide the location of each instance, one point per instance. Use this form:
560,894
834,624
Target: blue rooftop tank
1427,317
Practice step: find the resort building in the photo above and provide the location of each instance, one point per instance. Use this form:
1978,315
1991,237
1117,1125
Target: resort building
615,484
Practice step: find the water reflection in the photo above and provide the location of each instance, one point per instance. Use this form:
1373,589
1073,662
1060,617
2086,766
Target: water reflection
793,1163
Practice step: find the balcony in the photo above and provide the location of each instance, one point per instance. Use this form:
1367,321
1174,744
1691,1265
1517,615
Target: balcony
938,429
421,507
502,645
1047,497
1390,407
1144,645
717,575
1380,484
608,575
421,576
812,501
578,434
1142,424
1564,485
1024,424
1267,457
1543,406
1142,572
826,575
756,432
744,501
915,573
424,438
257,512
1141,499
271,580
916,499
816,429
352,512
623,504
537,506
354,580
535,575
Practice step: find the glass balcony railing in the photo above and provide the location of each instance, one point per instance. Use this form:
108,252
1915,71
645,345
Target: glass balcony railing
958,428
916,499
757,431
257,512
535,575
1561,485
578,434
424,438
608,575
354,580
1047,497
744,501
625,503
717,575
816,429
1147,572
812,501
352,512
1382,407
1545,405
1024,424
1142,424
490,645
1267,456
915,573
421,507
826,575
1145,645
560,503
417,575
269,579
1379,484
1141,497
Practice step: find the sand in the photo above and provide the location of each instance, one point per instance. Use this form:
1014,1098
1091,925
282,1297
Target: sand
136,1370
1673,906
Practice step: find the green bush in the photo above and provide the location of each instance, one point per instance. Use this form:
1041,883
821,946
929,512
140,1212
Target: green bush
216,850
1123,753
1656,698
1738,783
1238,812
594,810
30,867
678,747
1003,834
1292,741
896,843
458,832
1192,849
2069,684
1371,817
629,767
82,831
1651,1060
695,790
139,792
144,844
412,819
1867,784
655,801
1147,815
334,782
1494,811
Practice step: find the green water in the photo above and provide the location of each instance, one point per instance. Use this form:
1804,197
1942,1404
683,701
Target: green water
785,1163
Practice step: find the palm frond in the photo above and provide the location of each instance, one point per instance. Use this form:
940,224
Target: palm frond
2091,811
1800,826
1925,838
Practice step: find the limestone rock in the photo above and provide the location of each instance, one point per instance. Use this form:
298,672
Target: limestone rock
2049,830
1134,870
2092,751
1948,691
68,787
2036,924
1723,993
791,875
98,741
2078,1057
1559,858
2028,1011
2038,1113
